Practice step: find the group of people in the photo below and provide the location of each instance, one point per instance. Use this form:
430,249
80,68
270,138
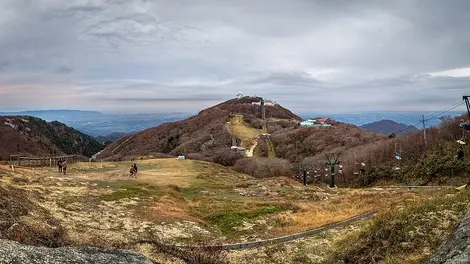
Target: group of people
133,170
62,165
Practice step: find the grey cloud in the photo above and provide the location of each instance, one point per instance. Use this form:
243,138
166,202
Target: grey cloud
166,99
379,51
64,69
287,79
4,65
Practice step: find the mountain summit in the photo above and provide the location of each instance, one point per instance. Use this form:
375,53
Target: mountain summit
388,127
235,128
208,133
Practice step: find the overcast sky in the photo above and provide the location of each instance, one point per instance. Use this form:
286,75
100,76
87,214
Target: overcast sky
184,55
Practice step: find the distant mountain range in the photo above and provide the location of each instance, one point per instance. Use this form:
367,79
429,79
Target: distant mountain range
388,127
404,117
52,113
110,137
26,135
99,124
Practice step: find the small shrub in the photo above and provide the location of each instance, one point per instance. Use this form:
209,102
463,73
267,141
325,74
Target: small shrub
175,187
19,180
263,167
199,156
226,157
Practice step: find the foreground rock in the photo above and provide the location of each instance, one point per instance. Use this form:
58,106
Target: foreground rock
13,252
457,249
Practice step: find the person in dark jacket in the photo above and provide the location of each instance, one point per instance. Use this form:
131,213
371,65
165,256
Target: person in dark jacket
131,171
64,166
135,170
460,154
59,165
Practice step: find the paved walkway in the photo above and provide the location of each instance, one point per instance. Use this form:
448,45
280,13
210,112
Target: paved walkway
276,240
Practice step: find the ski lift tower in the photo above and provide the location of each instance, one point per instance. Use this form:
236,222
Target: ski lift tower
332,161
466,124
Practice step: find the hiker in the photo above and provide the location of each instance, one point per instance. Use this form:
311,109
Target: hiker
460,154
59,165
131,171
64,166
135,170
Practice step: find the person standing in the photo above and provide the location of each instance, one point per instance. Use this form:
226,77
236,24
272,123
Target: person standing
59,165
135,170
131,171
64,166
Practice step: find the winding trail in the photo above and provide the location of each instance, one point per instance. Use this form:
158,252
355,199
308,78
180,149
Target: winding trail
270,241
249,153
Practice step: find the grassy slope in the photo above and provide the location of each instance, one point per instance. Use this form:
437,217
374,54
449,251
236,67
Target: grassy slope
243,131
192,201
229,205
408,234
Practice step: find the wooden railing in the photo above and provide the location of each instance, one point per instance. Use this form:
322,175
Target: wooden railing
32,161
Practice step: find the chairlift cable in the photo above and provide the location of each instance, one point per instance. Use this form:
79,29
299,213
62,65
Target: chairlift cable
444,111
432,116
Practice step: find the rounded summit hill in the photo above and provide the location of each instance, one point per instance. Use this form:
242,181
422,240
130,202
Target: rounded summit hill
205,135
211,134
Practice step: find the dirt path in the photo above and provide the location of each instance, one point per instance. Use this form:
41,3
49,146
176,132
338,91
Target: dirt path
249,153
248,135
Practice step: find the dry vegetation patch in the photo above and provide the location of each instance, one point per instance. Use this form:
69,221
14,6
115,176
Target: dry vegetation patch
95,204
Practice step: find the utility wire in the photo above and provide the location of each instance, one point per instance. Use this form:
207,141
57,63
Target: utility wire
444,111
436,114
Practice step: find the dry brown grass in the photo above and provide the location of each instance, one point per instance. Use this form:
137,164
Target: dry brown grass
345,205
190,201
168,208
161,172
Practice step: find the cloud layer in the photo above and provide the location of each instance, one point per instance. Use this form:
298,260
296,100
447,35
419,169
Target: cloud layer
147,56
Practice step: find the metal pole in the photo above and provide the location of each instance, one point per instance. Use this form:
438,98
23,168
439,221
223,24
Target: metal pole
424,131
332,183
305,177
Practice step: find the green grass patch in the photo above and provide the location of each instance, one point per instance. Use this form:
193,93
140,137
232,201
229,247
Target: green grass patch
227,221
128,189
84,167
415,230
191,193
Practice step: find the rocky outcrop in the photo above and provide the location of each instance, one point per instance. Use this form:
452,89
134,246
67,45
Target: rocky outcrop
14,252
457,249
